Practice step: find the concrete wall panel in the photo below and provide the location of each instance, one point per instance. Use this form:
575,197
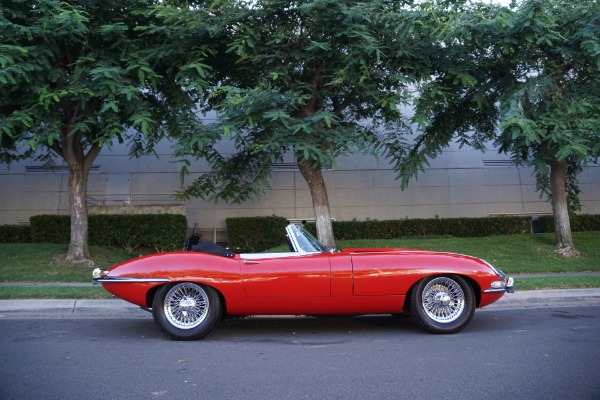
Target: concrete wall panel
467,195
431,177
466,177
501,176
503,194
360,187
431,195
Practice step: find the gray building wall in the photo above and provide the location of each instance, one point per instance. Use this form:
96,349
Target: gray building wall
459,183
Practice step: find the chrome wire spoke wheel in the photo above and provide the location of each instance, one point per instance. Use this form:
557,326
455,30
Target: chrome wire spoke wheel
443,300
186,305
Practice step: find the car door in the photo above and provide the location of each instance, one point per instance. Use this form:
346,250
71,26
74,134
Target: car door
286,276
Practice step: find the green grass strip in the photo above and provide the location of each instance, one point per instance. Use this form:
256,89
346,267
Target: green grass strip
13,292
557,282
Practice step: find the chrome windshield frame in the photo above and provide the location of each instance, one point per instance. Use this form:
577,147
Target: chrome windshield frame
302,241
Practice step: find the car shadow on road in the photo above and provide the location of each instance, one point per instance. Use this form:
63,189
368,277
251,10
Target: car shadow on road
296,330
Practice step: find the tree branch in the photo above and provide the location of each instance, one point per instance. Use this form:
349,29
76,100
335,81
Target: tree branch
345,103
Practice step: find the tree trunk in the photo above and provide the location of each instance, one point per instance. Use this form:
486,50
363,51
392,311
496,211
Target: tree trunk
318,192
78,246
79,167
562,224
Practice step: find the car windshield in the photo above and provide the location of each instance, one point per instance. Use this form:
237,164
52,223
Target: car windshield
306,242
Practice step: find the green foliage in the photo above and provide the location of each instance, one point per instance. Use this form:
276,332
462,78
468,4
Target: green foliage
76,76
15,234
526,78
92,71
551,109
458,227
50,228
534,70
579,223
304,81
161,232
255,234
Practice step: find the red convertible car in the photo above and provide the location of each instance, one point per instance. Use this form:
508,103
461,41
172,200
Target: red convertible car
188,293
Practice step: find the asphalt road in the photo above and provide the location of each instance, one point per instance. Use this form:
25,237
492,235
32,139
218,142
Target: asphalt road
539,353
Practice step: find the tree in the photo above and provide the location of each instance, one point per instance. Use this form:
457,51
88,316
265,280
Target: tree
551,114
317,78
77,76
534,70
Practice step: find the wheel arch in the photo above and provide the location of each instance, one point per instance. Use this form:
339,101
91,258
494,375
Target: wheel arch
150,294
472,282
475,286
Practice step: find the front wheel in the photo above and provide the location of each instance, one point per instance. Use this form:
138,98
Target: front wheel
443,304
186,311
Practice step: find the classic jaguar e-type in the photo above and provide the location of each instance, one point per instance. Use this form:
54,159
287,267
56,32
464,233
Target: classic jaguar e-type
189,292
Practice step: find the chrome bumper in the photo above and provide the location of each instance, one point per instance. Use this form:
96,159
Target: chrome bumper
507,285
101,276
98,274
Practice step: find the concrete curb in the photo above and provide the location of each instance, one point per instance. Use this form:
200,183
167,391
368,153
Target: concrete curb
82,308
547,298
69,308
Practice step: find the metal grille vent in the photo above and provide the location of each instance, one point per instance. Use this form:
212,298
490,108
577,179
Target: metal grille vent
57,169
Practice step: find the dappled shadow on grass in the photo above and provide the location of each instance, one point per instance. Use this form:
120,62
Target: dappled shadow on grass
101,256
45,262
545,240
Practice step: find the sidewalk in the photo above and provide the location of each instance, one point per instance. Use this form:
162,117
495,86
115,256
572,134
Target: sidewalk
70,308
547,298
73,308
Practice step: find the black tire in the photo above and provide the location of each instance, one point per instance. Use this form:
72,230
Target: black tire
186,310
443,304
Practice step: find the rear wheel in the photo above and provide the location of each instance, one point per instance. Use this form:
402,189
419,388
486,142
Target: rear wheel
443,304
186,311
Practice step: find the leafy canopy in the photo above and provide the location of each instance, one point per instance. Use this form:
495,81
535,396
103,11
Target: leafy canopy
316,79
527,79
90,73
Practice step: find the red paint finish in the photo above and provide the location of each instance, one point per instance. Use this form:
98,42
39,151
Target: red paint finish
394,271
353,281
308,276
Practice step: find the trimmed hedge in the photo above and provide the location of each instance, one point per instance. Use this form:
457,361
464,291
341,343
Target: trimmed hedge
162,232
459,227
165,232
579,223
50,228
255,234
15,234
